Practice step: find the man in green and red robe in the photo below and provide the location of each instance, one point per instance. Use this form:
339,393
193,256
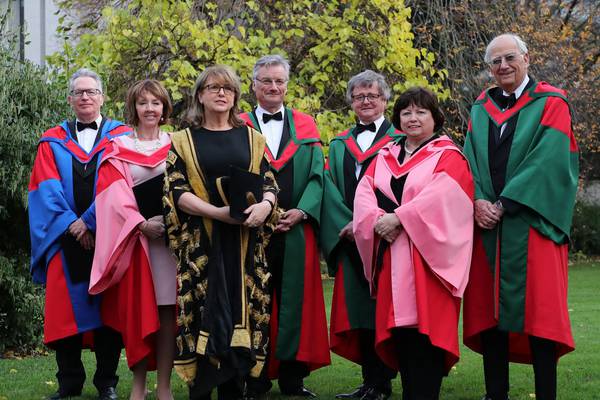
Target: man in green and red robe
352,326
298,334
524,159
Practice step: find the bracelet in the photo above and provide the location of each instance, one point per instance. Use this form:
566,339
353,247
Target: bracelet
270,202
499,205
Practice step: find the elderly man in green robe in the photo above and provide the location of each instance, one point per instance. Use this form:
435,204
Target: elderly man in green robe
524,159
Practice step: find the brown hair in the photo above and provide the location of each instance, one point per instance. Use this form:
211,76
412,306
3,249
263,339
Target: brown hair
420,97
156,89
224,75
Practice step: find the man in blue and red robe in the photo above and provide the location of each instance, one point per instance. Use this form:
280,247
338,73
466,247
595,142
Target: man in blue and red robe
62,224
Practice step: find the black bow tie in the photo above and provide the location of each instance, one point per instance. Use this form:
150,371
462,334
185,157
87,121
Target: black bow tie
82,125
507,102
360,128
277,117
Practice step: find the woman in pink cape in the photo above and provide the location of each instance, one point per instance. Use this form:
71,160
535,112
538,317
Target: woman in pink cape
413,226
132,264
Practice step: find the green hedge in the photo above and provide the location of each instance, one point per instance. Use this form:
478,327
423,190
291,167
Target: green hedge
21,307
585,233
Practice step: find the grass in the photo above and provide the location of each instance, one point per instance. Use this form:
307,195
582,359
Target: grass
578,372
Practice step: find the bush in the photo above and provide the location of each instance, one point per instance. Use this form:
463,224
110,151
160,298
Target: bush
585,233
30,102
21,307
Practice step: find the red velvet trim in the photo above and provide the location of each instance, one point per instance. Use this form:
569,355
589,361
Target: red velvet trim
361,156
144,160
305,126
344,340
130,308
430,149
313,347
502,116
557,116
480,297
59,318
44,167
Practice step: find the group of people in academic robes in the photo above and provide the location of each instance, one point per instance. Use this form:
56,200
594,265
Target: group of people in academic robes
200,249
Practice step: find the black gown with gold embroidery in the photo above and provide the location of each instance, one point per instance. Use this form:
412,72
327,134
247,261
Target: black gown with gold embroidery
223,301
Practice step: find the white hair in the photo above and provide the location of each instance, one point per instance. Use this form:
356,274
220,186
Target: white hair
84,72
520,44
270,61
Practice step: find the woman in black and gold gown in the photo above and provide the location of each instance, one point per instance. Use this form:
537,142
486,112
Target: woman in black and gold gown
223,302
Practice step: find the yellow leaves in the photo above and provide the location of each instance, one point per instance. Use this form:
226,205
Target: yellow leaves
50,383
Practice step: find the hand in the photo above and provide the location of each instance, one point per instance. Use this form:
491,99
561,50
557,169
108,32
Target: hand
387,225
347,232
487,215
391,236
153,228
87,240
78,228
288,219
257,214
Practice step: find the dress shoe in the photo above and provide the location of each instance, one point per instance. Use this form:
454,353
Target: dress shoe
374,394
357,393
108,393
300,392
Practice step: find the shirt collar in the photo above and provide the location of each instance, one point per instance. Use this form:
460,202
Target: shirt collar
98,121
260,111
378,122
519,91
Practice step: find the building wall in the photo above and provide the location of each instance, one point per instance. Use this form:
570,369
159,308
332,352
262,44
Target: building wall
40,22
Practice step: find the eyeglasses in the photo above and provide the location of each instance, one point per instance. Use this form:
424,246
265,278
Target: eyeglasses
509,58
361,97
212,88
270,82
89,92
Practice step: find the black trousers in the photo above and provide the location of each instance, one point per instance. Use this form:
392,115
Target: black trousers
421,365
230,390
495,365
71,373
374,372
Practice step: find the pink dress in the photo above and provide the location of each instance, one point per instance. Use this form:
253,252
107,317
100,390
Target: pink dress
162,262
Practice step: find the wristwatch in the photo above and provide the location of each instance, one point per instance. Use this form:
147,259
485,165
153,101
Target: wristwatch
304,214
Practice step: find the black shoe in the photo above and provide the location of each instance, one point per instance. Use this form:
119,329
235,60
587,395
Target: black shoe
108,393
300,392
374,394
357,393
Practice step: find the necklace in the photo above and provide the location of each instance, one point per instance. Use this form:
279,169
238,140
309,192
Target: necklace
409,152
140,148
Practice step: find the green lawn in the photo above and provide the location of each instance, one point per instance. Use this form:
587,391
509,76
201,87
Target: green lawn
578,374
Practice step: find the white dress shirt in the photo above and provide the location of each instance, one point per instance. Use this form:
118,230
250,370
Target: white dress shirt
518,93
87,137
365,140
272,129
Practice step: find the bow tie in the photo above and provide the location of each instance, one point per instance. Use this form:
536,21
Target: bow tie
277,117
507,102
360,128
82,125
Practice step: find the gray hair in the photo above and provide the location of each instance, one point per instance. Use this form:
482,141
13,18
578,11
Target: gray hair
269,61
84,72
520,44
366,79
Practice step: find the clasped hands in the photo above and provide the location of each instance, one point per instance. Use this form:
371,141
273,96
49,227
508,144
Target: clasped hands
154,227
388,226
487,215
80,231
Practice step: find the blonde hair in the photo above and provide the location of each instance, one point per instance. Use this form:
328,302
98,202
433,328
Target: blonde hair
224,75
